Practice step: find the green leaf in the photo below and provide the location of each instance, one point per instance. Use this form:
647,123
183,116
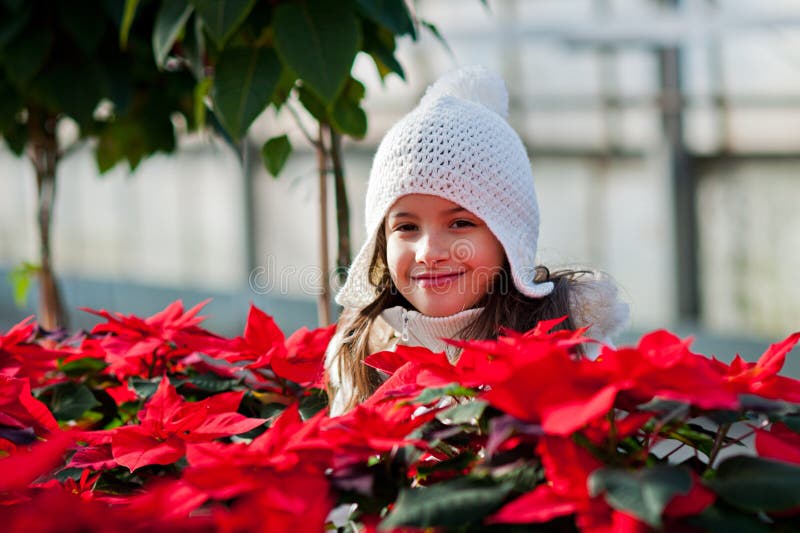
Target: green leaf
20,278
723,417
194,47
793,422
271,410
392,14
10,104
170,21
84,23
211,383
127,22
16,5
144,130
436,393
10,26
275,152
243,86
459,502
284,88
83,366
318,39
312,103
312,404
71,89
643,494
751,402
757,484
467,413
25,56
347,116
729,520
380,44
222,17
694,436
144,388
71,400
16,137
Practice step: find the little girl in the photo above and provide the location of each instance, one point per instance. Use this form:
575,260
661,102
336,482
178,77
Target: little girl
452,228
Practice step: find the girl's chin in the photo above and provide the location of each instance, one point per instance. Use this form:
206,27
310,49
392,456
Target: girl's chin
440,308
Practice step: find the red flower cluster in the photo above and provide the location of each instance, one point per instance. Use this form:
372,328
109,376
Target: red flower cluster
178,428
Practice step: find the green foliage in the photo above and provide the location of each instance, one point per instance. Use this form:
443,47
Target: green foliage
71,400
389,13
467,413
437,393
261,54
171,19
20,278
222,17
67,58
757,484
347,116
244,83
324,57
644,493
127,22
275,153
459,502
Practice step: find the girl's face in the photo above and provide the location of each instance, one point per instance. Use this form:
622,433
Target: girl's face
441,257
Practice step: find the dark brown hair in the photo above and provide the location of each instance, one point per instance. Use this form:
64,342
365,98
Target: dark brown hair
503,307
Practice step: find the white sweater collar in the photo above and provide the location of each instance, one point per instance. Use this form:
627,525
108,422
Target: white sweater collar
415,329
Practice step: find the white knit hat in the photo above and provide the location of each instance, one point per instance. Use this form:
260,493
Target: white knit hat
456,145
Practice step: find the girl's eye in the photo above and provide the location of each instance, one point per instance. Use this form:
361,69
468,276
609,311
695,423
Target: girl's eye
463,223
405,227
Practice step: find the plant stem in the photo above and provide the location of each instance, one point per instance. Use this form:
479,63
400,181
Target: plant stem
152,368
675,450
718,444
44,156
323,300
342,208
314,142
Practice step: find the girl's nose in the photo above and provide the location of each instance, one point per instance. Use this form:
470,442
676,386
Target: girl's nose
432,249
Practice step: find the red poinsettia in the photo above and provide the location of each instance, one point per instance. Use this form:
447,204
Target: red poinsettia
226,470
264,347
298,358
567,467
780,443
28,462
22,417
302,359
147,347
168,422
761,378
21,357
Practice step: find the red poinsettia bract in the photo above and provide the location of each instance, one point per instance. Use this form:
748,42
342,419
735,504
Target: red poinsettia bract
148,347
168,423
21,357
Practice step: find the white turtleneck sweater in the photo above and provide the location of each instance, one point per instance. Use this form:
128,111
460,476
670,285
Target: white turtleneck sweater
411,328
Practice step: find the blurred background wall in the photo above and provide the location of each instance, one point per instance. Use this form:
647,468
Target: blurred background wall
664,137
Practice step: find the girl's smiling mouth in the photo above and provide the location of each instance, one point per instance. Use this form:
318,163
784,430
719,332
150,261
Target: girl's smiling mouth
435,279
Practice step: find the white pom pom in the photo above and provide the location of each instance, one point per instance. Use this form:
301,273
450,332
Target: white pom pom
474,83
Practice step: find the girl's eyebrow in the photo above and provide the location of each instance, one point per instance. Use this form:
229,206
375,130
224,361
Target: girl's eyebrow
406,214
402,214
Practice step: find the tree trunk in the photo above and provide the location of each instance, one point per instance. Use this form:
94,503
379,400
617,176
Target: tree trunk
44,156
342,209
323,300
